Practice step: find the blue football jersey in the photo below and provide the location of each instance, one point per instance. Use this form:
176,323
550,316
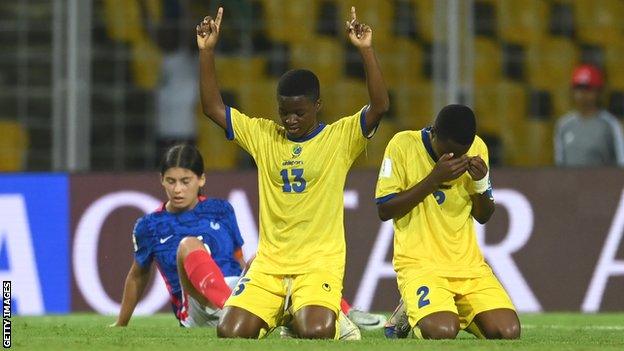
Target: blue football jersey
157,236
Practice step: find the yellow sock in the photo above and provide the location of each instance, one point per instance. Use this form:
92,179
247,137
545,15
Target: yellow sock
416,333
474,330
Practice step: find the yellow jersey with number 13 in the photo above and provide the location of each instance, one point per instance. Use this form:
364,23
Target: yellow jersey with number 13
301,185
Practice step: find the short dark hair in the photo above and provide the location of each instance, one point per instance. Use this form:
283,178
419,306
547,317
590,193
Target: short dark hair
457,123
183,156
297,82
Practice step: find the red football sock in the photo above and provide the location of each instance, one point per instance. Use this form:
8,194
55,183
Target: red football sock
206,277
344,306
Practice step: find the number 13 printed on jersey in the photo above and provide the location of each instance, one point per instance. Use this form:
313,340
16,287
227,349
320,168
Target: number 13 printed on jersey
297,184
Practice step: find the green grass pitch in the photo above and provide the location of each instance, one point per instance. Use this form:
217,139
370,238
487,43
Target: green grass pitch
552,331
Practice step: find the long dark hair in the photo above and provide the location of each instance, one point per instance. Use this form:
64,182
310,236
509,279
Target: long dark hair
184,156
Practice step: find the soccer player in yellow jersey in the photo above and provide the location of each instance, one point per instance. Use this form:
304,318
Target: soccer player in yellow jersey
433,182
302,166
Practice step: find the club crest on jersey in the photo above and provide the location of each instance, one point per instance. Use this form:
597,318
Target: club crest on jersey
215,225
296,151
439,196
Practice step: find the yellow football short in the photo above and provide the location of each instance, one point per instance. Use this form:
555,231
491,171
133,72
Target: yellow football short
467,297
273,297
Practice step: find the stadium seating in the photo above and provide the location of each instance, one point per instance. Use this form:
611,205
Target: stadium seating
286,22
613,65
549,64
524,53
522,22
487,62
218,152
378,14
322,55
401,61
424,19
412,105
342,99
599,22
232,70
259,98
13,146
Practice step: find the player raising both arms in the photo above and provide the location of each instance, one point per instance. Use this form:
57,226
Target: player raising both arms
302,167
433,183
194,242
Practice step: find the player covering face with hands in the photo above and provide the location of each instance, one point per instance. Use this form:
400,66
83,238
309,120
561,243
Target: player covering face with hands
434,183
296,277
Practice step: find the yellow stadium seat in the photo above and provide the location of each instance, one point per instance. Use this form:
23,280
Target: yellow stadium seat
522,22
413,105
258,98
401,62
487,62
343,98
123,19
13,146
218,152
425,17
236,71
538,144
146,63
614,55
323,56
599,22
290,22
501,110
550,63
378,14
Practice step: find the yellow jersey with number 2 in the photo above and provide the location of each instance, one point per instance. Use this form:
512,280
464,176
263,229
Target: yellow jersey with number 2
437,236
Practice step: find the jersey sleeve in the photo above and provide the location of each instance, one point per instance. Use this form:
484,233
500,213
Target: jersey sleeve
391,180
142,245
247,132
353,129
232,224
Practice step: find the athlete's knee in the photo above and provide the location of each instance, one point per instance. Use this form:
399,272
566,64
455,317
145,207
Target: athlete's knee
187,245
507,331
317,331
511,331
448,330
227,329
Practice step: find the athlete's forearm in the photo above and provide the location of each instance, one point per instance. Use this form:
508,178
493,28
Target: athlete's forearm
135,284
405,201
212,104
377,91
482,207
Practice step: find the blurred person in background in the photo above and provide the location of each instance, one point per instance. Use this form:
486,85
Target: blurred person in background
176,95
588,135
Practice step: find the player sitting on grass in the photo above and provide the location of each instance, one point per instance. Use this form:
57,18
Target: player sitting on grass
194,242
434,183
302,167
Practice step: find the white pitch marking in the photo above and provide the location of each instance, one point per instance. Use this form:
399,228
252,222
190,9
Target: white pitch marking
588,327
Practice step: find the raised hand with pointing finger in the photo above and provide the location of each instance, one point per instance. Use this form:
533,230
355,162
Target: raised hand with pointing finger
360,34
208,31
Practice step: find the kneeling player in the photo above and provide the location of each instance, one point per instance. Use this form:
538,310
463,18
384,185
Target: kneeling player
433,183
